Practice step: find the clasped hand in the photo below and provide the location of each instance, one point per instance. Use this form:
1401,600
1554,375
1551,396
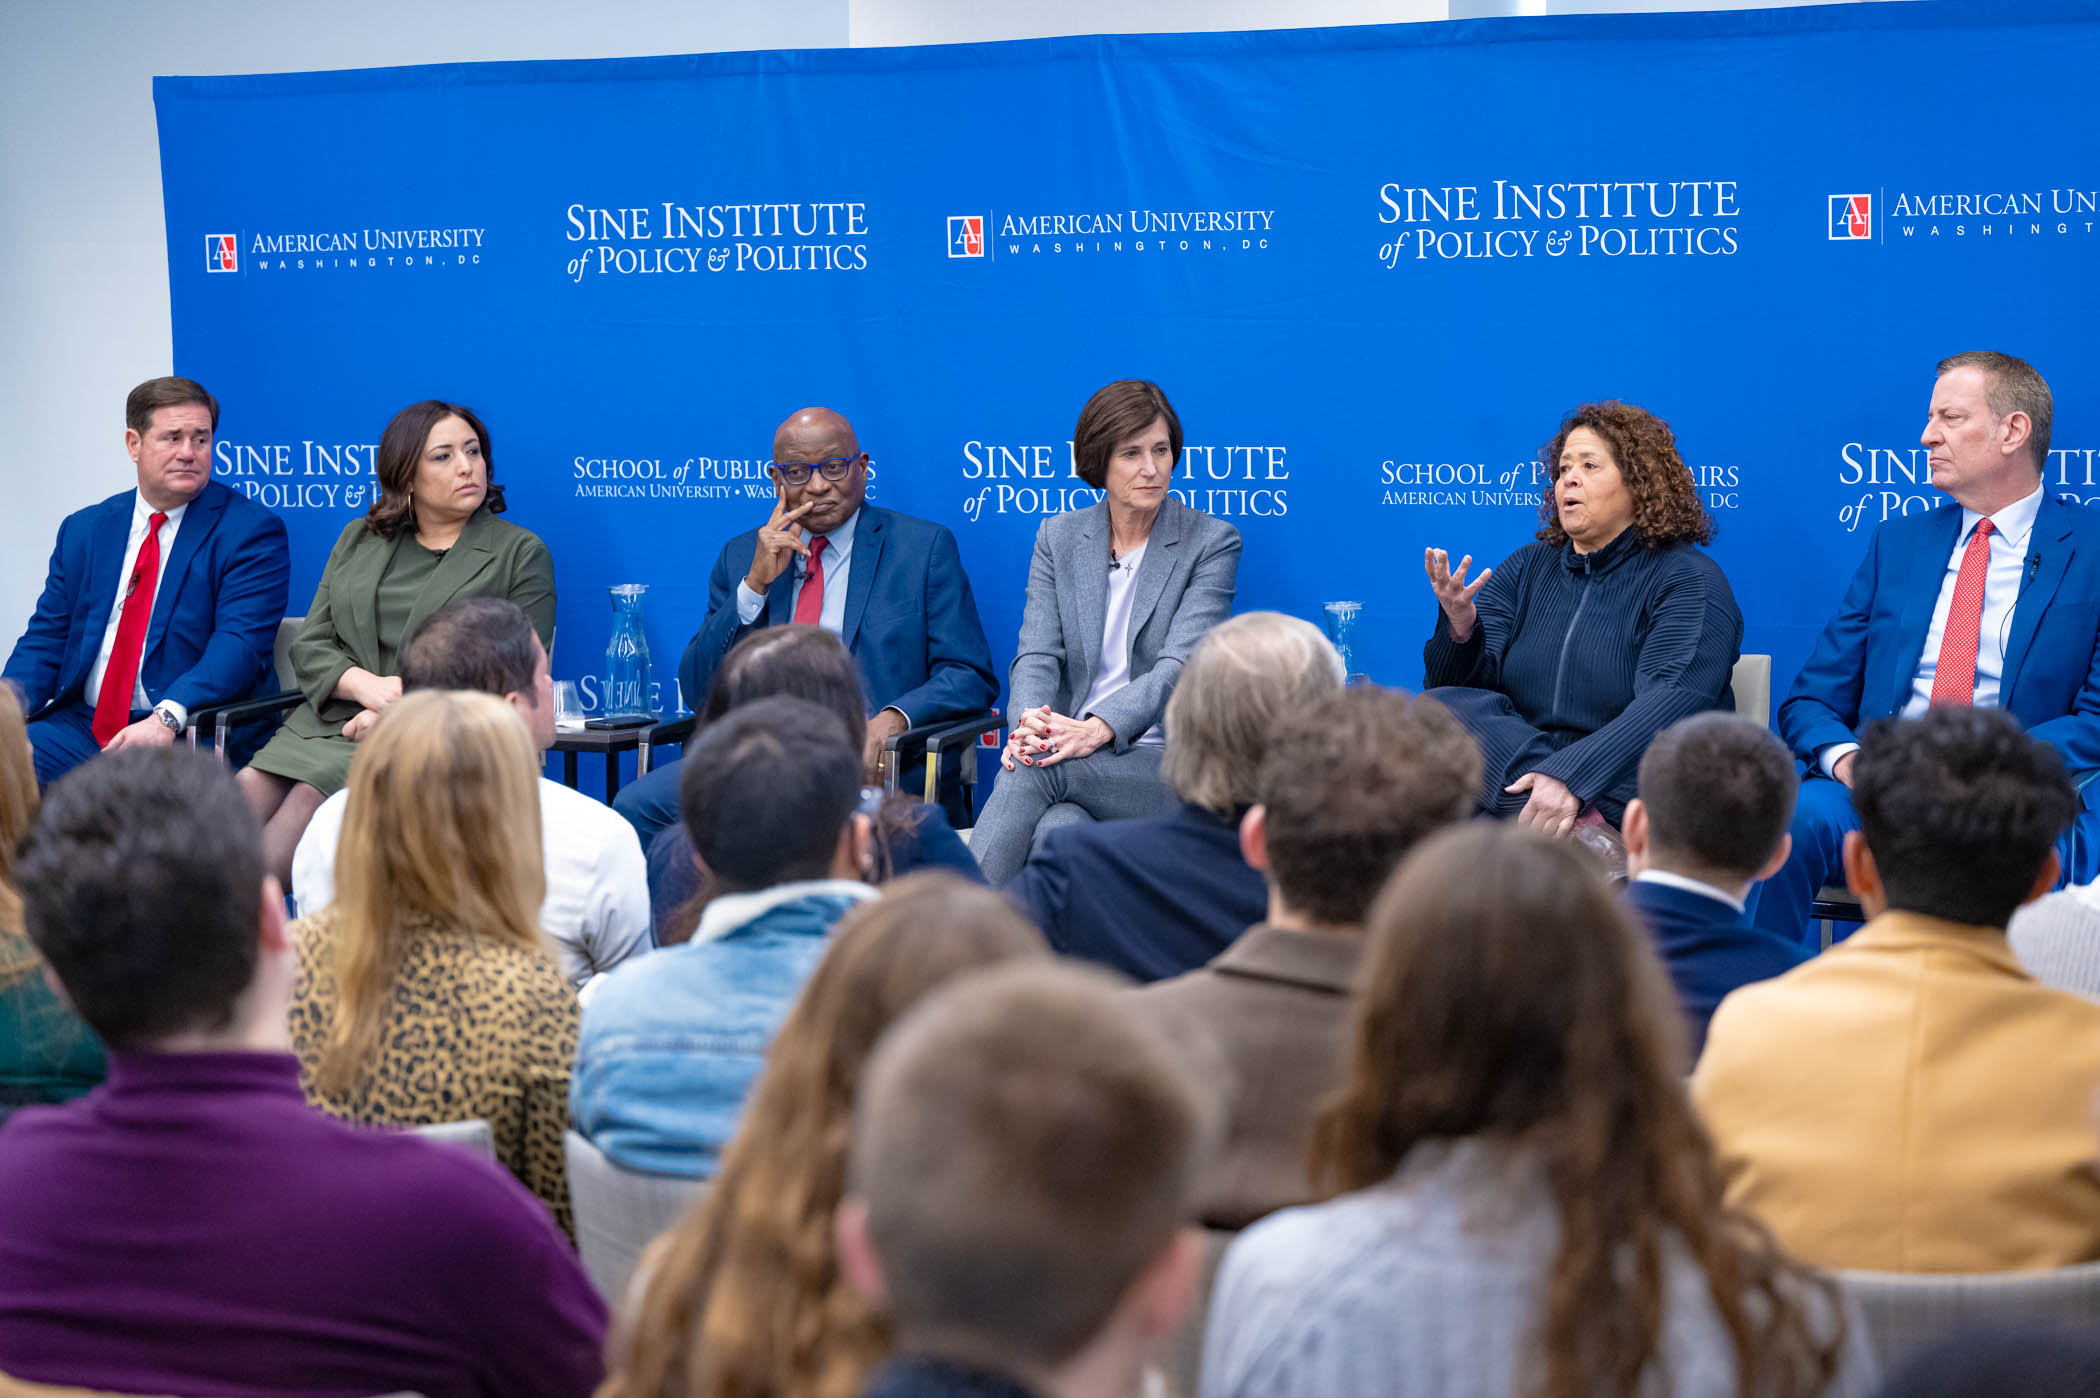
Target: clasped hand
1042,738
1452,591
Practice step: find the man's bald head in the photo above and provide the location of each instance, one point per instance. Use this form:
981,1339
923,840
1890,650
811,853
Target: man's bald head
809,438
811,428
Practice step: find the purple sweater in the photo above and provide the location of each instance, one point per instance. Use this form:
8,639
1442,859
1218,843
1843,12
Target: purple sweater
193,1227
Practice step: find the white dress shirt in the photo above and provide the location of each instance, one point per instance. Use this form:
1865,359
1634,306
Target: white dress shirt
1689,885
1115,640
141,515
597,905
837,563
2011,528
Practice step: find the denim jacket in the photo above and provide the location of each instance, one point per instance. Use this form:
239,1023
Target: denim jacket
672,1041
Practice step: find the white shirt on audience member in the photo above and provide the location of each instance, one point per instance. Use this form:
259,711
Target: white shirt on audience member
1115,640
2011,528
141,515
597,905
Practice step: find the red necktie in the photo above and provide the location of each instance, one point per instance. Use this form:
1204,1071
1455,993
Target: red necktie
121,676
1954,677
809,606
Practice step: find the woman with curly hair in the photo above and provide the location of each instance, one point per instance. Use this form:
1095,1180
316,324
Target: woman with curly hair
1565,660
1532,1209
743,1297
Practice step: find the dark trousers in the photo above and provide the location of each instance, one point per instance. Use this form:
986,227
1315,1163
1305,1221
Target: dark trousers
1509,747
62,740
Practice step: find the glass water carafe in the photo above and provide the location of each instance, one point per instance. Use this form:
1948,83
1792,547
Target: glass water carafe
627,656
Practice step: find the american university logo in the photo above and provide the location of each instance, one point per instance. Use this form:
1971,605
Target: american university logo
966,235
222,252
1851,216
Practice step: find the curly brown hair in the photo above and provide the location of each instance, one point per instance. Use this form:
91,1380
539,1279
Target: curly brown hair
744,1298
1517,1002
1666,506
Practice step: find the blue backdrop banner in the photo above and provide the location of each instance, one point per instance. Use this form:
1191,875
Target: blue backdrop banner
1372,267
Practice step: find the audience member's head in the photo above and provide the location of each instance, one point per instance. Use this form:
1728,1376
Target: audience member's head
797,662
143,887
442,827
1350,784
1959,812
744,1295
485,645
769,796
1506,997
18,795
1025,1155
1717,795
2029,1363
18,803
1240,682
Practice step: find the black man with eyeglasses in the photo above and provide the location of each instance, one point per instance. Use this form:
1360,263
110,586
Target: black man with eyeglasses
890,586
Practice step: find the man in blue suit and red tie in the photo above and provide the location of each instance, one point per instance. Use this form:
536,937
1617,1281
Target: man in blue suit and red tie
160,600
1991,600
890,586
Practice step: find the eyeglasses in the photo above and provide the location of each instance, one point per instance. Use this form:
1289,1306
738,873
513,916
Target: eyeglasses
834,469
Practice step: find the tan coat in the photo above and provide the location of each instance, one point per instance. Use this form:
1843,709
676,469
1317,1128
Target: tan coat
1911,1101
1265,1018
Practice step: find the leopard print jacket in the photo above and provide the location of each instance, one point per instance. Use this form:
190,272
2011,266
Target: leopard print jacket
474,1028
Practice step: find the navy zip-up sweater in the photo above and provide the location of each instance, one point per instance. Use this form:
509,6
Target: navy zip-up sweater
1598,651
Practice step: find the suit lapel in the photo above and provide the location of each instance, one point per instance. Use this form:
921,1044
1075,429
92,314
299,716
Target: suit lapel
1091,594
780,597
860,571
1157,564
105,562
1926,568
2052,540
462,563
198,521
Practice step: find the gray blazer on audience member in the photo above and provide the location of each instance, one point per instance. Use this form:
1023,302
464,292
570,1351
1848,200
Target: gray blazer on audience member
1184,584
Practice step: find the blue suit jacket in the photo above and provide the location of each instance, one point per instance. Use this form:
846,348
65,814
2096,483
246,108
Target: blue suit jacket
911,620
1708,947
1862,665
1152,897
215,610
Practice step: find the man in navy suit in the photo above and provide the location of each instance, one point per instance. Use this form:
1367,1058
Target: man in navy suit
1991,600
1716,794
890,586
160,600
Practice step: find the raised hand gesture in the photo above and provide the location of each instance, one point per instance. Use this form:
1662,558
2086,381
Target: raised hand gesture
1452,591
779,539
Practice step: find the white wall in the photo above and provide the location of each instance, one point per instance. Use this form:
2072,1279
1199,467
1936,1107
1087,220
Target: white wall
84,304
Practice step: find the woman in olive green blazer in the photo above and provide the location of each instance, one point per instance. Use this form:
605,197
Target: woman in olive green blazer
431,536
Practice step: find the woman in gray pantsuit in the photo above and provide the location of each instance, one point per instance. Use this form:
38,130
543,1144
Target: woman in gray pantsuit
1118,595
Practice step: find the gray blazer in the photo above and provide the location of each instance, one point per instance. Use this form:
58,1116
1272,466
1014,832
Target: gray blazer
1184,587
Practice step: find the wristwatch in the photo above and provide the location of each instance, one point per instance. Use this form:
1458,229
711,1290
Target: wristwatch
167,716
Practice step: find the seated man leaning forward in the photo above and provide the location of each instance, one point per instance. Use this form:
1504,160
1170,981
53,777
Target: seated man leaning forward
597,904
192,1226
1993,599
890,586
1154,896
1565,661
672,1043
1716,794
1350,784
158,601
1913,1100
1023,1168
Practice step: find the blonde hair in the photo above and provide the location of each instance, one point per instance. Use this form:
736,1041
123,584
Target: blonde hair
1243,679
18,806
442,825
